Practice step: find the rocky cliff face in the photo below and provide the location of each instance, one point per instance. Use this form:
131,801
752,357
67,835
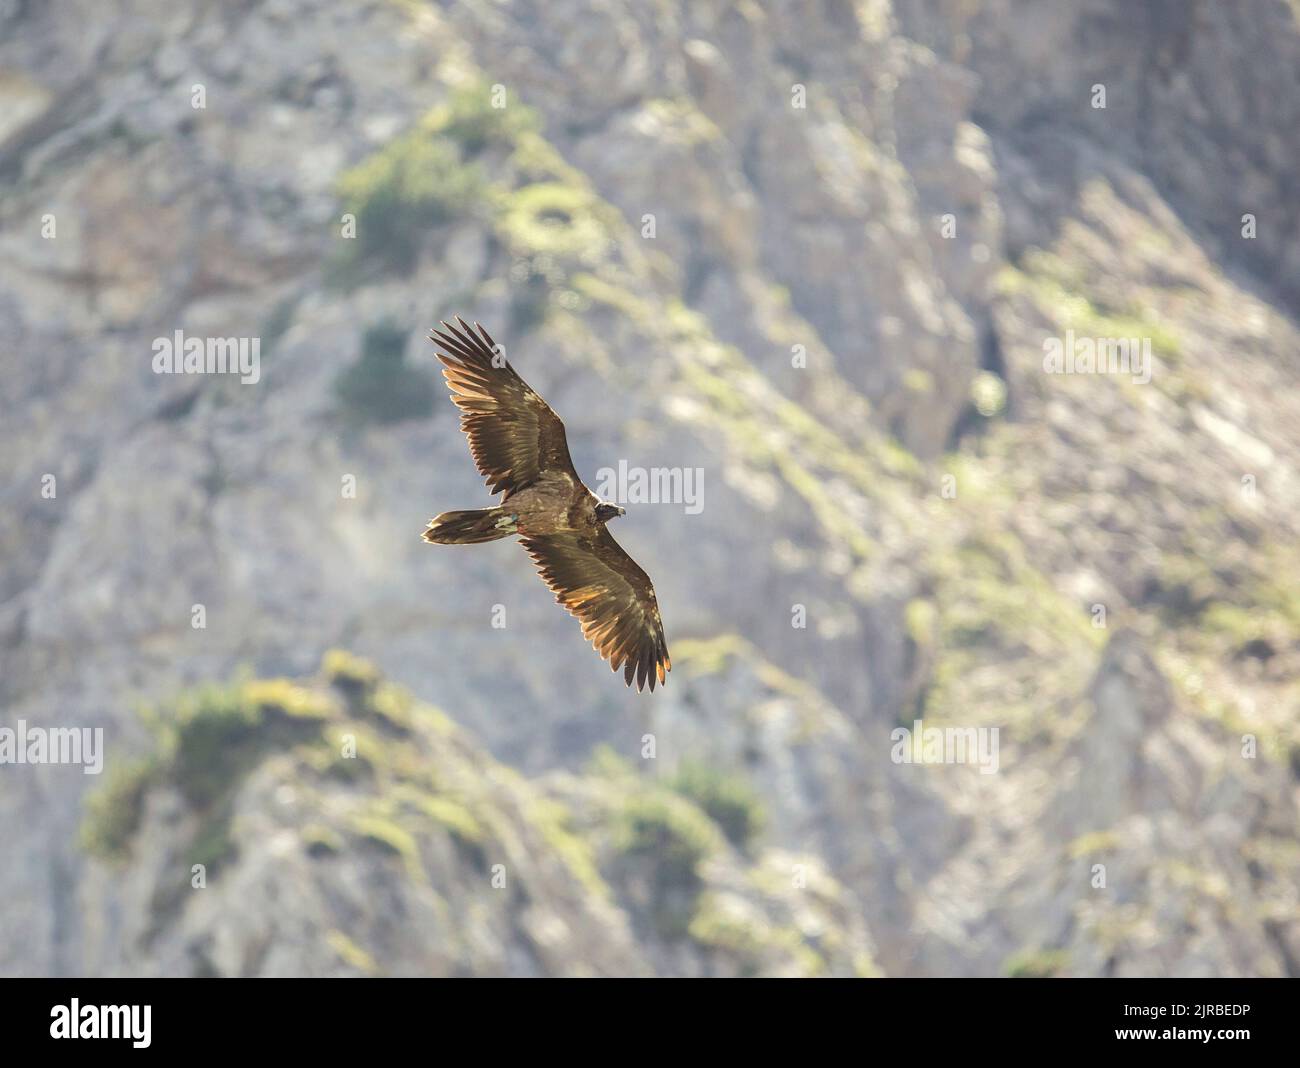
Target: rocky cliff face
813,251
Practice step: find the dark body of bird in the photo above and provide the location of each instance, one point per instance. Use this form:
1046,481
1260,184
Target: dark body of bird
519,446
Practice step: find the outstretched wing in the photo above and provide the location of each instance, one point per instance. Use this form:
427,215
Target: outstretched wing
512,432
612,598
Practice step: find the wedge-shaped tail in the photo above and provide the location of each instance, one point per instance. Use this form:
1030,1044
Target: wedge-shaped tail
471,526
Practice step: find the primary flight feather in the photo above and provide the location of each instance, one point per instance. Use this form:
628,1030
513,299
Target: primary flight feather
519,447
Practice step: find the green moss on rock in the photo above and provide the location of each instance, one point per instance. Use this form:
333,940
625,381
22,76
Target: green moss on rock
415,183
726,798
114,811
349,672
1037,964
669,830
476,117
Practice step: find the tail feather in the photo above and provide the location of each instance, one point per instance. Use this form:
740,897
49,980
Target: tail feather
471,526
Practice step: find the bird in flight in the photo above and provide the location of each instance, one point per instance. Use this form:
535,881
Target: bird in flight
519,448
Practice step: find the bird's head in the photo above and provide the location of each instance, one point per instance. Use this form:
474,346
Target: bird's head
606,511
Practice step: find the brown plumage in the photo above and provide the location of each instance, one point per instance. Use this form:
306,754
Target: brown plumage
519,447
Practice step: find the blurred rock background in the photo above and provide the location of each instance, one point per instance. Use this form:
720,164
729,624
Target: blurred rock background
861,381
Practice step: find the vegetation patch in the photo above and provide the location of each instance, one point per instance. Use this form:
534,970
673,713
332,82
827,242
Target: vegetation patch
286,697
726,798
709,656
347,754
351,954
453,816
1059,290
683,121
554,218
381,387
999,621
749,938
113,812
726,930
378,830
1037,964
217,734
415,183
278,322
348,671
472,119
321,841
205,742
553,821
1094,842
393,707
425,178
671,831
